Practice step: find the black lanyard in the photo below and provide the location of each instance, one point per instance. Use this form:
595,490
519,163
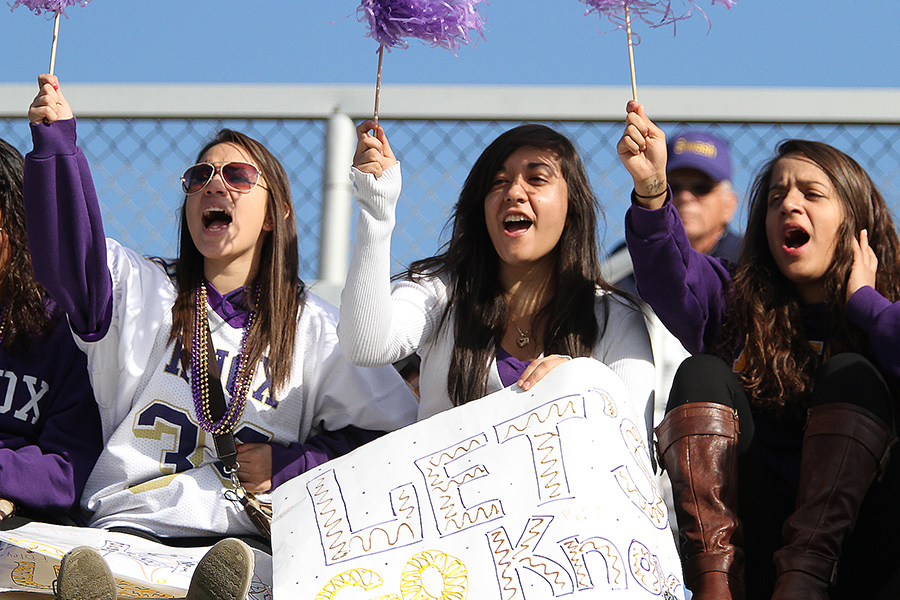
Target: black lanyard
226,449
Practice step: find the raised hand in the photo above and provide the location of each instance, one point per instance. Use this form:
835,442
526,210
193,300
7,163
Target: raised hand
373,152
642,149
49,105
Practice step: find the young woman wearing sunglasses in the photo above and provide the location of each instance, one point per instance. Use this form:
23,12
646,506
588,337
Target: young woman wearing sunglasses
293,399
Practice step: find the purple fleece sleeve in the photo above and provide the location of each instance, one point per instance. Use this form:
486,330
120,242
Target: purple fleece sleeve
65,230
880,319
290,461
44,465
684,287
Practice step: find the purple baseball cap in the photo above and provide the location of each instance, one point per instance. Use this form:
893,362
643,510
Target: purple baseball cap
702,151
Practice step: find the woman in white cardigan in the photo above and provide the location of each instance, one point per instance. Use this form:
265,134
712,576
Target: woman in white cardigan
516,291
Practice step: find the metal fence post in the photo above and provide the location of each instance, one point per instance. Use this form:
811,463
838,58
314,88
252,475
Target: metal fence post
334,251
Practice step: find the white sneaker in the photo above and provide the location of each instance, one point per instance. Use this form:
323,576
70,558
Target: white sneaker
84,575
224,572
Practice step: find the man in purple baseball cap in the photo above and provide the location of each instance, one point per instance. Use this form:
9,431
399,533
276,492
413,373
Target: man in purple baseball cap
699,173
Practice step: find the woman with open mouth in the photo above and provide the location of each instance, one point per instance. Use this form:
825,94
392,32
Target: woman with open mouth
778,429
516,291
184,445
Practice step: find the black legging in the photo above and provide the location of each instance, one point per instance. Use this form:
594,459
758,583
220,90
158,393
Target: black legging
770,446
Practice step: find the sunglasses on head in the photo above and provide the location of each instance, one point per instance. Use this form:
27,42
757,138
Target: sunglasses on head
238,176
697,187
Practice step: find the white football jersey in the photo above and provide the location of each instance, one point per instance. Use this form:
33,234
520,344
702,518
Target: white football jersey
159,470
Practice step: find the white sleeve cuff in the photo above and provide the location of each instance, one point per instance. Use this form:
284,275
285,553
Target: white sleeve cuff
377,196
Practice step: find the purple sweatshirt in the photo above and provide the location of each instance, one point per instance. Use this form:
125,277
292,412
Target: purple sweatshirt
49,424
68,249
686,287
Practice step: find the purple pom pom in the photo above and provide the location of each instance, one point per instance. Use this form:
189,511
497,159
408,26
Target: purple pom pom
444,23
654,13
50,6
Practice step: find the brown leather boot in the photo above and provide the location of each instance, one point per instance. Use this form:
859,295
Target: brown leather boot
698,444
844,448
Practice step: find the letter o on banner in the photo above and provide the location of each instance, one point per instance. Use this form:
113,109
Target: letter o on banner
413,585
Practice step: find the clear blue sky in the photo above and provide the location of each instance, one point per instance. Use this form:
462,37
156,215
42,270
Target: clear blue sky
757,43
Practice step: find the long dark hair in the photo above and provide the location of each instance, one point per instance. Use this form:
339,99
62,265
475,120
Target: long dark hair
477,298
764,318
281,292
25,310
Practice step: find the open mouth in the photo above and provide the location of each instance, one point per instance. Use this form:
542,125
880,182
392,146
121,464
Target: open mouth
516,223
216,218
795,237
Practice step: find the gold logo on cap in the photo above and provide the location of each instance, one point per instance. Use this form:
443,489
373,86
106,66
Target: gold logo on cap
702,148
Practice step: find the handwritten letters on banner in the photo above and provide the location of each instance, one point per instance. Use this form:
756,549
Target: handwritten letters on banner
519,495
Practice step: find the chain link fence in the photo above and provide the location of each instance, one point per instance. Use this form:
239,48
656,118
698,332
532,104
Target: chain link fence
137,162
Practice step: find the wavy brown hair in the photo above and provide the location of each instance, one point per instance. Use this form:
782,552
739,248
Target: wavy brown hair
477,298
25,309
281,292
764,317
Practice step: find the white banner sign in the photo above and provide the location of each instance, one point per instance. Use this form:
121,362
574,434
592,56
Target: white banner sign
519,495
